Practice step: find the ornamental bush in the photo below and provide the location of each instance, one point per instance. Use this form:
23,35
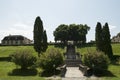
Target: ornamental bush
23,58
96,60
49,58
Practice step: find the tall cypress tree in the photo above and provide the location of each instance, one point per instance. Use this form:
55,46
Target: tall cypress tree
38,35
107,49
98,37
45,44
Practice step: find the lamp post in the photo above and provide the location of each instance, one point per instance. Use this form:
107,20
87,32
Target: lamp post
54,69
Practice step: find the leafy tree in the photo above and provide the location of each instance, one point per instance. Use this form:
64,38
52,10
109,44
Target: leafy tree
83,30
107,41
45,44
73,32
61,33
98,37
40,37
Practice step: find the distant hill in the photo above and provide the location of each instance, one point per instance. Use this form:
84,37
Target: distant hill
116,38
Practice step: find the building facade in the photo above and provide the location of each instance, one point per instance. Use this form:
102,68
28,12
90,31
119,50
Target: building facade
116,39
16,40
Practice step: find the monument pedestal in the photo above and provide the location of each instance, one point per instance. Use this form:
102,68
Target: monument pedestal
72,58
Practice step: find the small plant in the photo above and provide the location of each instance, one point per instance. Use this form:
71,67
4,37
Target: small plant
23,58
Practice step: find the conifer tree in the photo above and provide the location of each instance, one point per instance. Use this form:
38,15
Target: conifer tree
38,35
107,49
45,44
98,37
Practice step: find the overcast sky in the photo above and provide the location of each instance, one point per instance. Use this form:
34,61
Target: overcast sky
17,16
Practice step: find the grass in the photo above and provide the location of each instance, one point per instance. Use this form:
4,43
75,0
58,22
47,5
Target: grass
84,50
115,73
5,51
7,67
116,49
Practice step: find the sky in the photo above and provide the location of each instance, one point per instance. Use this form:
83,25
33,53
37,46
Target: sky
17,17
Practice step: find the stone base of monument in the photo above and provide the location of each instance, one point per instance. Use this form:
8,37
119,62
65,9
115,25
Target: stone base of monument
72,62
72,58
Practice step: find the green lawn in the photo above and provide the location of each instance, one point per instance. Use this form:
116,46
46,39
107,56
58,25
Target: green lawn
7,67
116,49
5,51
84,50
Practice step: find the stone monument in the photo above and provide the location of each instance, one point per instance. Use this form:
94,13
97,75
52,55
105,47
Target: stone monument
72,58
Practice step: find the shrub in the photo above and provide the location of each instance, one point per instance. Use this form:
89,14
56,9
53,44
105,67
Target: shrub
51,57
23,58
96,60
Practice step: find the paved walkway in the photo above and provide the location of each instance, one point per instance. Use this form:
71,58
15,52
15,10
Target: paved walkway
82,78
73,72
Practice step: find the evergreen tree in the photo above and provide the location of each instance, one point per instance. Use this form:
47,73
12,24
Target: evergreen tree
107,49
45,44
98,37
38,35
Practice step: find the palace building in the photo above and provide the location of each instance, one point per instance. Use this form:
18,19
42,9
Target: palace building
116,38
15,40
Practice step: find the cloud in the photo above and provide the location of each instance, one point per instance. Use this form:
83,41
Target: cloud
18,29
112,27
21,26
